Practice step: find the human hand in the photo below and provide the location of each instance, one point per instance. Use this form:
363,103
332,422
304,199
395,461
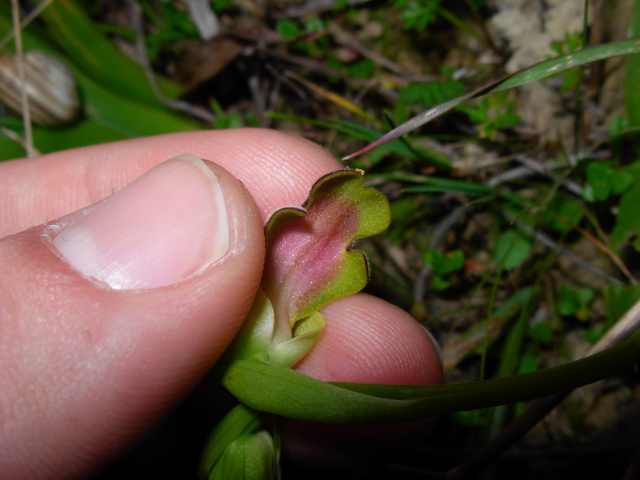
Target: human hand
87,370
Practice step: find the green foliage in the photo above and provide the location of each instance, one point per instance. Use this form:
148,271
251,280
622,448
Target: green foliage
592,335
170,25
418,14
470,418
628,220
288,29
426,95
220,6
512,248
443,265
562,215
430,94
575,302
403,214
541,332
618,299
226,120
364,68
315,24
604,181
571,43
493,113
528,363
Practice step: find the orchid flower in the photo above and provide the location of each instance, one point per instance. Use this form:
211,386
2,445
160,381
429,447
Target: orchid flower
309,263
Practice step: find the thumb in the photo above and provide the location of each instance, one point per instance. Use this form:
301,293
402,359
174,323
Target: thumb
109,316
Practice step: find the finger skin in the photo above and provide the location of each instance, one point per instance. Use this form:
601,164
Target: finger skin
370,341
86,370
278,169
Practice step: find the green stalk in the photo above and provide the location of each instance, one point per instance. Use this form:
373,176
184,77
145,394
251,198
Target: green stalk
291,394
509,361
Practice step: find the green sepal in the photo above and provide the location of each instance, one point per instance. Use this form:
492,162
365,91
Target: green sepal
251,456
239,420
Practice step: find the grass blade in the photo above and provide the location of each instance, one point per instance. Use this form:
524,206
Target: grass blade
535,72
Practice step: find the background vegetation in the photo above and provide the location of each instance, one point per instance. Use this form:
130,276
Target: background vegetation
514,237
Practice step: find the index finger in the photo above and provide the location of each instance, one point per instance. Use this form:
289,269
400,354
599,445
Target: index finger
277,168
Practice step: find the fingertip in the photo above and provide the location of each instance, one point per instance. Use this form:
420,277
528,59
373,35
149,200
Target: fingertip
371,341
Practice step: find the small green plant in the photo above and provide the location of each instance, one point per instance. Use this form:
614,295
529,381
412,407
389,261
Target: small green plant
426,95
288,29
364,68
220,6
418,14
226,120
604,181
562,215
171,24
575,302
512,249
494,113
443,266
571,43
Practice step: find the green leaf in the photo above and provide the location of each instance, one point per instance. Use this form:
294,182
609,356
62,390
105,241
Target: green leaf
632,71
628,220
512,249
71,28
592,335
541,332
569,301
362,69
535,72
438,283
561,216
288,29
285,392
575,302
599,177
620,181
528,363
443,265
618,300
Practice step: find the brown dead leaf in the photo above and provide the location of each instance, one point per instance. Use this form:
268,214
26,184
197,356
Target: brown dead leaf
201,61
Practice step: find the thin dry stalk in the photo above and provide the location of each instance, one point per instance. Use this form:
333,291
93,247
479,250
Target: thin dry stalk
141,55
25,21
24,99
